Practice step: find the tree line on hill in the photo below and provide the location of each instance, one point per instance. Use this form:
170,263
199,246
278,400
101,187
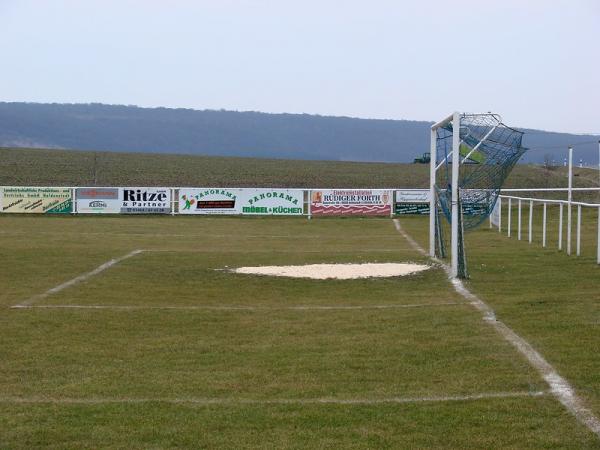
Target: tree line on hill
232,133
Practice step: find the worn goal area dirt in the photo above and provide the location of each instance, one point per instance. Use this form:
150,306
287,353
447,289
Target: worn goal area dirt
344,271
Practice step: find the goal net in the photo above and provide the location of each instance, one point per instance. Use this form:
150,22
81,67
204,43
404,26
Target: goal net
471,157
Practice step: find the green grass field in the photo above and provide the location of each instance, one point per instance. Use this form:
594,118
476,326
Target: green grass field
167,350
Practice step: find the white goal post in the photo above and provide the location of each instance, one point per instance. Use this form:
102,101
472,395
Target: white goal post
455,119
488,150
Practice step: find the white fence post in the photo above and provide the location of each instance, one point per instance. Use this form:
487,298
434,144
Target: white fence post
309,204
598,249
499,214
544,227
509,214
530,220
173,200
578,230
569,219
519,221
569,200
560,226
73,201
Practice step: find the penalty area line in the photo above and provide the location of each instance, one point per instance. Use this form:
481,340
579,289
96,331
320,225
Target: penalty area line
275,401
243,308
78,279
560,388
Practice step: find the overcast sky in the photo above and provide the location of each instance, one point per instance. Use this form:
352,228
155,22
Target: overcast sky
537,63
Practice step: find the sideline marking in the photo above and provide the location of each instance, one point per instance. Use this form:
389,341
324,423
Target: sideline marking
559,386
227,236
77,279
242,308
218,250
282,401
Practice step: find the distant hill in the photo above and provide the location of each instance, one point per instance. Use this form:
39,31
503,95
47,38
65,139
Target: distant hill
231,133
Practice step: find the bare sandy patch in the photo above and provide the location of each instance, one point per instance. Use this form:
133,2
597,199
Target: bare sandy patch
336,271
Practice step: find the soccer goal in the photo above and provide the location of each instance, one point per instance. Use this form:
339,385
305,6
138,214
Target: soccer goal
471,156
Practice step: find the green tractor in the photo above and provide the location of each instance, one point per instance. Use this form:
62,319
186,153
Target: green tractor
470,157
425,158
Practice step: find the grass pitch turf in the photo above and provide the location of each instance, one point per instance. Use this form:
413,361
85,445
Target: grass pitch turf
202,377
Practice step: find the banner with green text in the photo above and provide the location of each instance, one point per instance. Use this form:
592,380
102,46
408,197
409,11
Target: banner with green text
36,200
209,201
274,202
246,201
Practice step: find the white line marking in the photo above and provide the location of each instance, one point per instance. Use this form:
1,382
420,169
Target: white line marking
288,251
242,308
410,240
78,279
227,236
559,386
282,401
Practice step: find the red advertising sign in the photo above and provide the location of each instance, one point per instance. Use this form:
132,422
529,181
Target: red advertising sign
358,202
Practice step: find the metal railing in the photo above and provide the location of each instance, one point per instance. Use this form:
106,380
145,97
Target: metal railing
496,220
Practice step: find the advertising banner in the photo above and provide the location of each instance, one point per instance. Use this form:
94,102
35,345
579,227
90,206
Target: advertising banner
412,208
40,200
98,200
145,200
474,209
412,201
339,202
412,196
247,201
275,202
209,201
